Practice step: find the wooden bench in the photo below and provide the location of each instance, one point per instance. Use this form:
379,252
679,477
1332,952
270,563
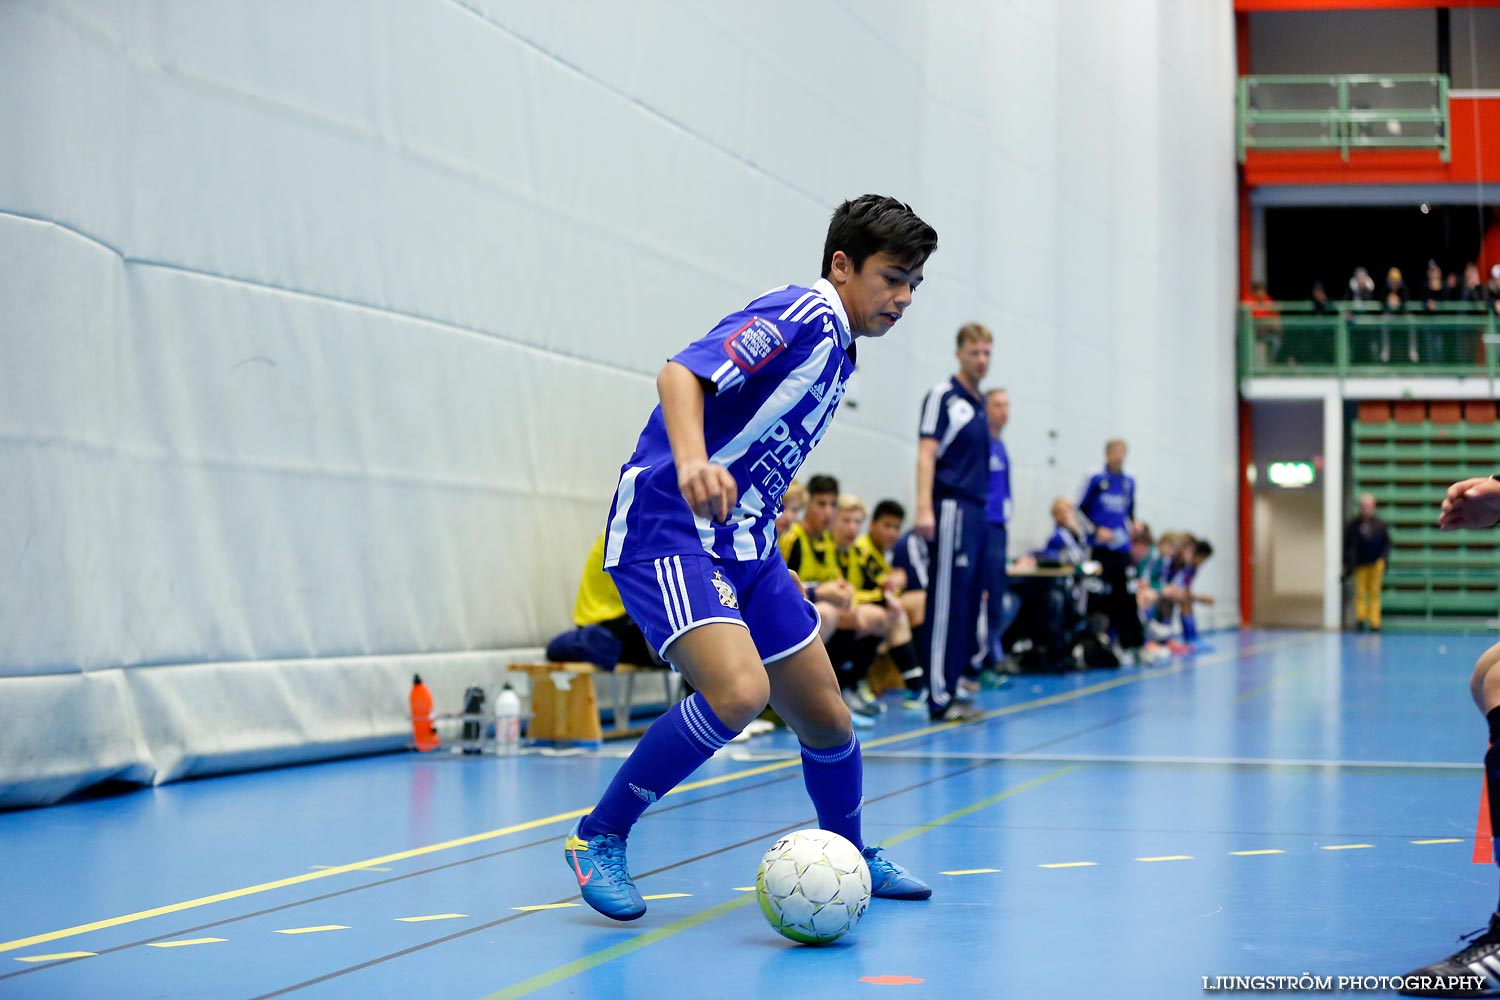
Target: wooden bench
565,705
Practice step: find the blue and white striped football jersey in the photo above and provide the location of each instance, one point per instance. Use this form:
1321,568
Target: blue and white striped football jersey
778,367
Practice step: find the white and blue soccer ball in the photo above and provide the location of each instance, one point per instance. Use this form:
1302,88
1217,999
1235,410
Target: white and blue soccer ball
813,886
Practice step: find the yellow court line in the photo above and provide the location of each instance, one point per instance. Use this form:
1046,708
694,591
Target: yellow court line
1444,840
1344,847
971,871
744,888
477,838
1169,857
363,868
434,916
554,976
314,930
543,906
669,895
1071,864
185,943
58,957
1246,854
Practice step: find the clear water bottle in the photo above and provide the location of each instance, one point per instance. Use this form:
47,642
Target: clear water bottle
507,722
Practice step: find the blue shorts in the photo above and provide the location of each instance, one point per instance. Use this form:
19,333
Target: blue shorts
669,596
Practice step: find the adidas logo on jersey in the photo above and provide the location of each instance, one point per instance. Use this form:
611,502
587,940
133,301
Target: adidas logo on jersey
645,794
818,390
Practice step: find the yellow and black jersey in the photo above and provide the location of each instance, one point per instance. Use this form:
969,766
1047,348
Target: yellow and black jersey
810,558
865,568
598,599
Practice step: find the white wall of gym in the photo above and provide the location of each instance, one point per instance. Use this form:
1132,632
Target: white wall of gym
327,326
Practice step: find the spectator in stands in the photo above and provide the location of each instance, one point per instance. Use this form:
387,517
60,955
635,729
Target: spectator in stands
1435,295
1362,292
1471,291
1393,304
1265,319
1367,544
808,551
604,634
1108,508
1321,303
1492,291
997,512
793,504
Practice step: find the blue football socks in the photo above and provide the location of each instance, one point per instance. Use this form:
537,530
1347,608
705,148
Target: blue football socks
674,747
835,781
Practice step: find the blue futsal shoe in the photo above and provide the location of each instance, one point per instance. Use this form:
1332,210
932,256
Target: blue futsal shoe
889,880
603,878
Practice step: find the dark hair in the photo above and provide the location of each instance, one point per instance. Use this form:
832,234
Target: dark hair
872,224
1142,534
819,485
889,508
1202,547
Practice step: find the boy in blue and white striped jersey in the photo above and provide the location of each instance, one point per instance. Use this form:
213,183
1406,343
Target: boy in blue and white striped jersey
692,545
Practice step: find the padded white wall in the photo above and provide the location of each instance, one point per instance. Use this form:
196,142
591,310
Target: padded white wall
327,326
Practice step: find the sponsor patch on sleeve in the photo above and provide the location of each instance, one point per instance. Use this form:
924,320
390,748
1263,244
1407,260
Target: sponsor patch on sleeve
753,344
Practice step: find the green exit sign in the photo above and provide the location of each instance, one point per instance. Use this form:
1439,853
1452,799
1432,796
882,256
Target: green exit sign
1291,475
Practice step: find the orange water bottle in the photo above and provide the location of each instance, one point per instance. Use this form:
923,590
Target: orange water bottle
422,729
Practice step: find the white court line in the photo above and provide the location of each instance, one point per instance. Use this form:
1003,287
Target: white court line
1084,758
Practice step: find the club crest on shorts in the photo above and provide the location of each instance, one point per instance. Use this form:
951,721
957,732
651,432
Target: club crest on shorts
726,592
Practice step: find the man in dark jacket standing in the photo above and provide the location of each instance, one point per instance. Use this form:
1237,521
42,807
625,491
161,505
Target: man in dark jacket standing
1367,542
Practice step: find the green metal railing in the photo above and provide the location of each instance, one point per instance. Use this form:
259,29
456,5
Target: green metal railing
1395,111
1296,340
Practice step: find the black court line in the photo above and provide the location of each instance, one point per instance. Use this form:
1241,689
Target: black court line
758,838
362,887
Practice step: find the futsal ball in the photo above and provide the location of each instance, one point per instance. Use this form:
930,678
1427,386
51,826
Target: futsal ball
813,886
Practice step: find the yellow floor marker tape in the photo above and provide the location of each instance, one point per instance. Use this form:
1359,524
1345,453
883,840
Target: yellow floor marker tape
1169,857
669,895
1246,854
434,916
744,888
971,871
314,930
1344,847
58,957
184,944
543,906
1071,864
571,969
1444,840
370,863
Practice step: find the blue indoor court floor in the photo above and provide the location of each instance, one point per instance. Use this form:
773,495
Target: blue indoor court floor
1285,803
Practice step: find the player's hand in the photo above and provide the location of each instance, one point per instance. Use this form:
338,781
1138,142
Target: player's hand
1473,503
895,581
801,587
839,593
709,489
925,525
1023,564
1104,535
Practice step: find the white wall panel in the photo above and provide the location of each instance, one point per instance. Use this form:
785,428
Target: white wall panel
328,326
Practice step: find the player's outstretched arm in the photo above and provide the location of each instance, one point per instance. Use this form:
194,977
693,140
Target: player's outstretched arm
1472,503
709,489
